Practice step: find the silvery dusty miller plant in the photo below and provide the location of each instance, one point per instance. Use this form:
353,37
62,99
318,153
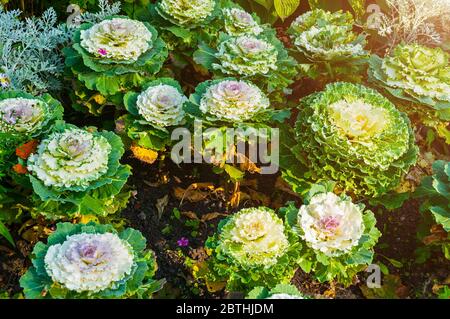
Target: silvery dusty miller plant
30,57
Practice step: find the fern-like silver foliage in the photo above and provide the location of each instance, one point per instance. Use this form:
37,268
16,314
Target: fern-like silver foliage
106,9
30,55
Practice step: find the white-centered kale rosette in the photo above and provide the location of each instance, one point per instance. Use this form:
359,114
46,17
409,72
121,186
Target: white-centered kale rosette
111,57
337,236
239,22
185,23
418,78
327,48
262,59
152,115
352,135
91,261
24,118
230,103
76,172
252,248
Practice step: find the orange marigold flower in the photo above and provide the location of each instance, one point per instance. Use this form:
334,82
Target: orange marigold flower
20,169
144,154
25,150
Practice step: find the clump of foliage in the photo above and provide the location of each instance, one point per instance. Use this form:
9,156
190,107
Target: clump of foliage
238,22
231,103
419,78
91,261
252,248
352,135
337,236
326,46
105,10
153,114
23,118
414,21
271,10
77,172
111,57
30,56
186,23
435,191
281,291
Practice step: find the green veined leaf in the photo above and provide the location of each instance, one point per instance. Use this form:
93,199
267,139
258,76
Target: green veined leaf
285,8
265,3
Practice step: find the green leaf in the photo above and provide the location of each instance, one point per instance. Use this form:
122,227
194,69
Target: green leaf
129,101
134,238
394,262
267,4
442,216
234,173
285,8
33,285
180,32
5,233
205,55
258,293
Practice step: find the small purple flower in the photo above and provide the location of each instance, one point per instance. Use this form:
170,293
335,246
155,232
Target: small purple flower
102,52
183,242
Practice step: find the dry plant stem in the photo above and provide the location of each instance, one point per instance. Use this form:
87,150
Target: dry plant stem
412,21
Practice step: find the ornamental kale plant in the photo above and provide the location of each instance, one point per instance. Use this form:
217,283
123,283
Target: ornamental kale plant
30,56
260,59
111,57
252,248
435,191
327,48
281,291
239,22
337,236
77,172
419,78
185,23
153,114
232,103
89,262
352,135
23,118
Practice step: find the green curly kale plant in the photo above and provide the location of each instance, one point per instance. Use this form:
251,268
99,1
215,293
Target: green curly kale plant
327,48
153,113
186,23
337,236
111,57
24,117
351,135
419,78
77,172
229,103
261,59
252,248
91,261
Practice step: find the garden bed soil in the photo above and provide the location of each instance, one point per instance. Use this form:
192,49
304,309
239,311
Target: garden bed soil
189,202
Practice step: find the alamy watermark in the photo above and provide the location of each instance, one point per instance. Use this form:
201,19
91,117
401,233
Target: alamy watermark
374,279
